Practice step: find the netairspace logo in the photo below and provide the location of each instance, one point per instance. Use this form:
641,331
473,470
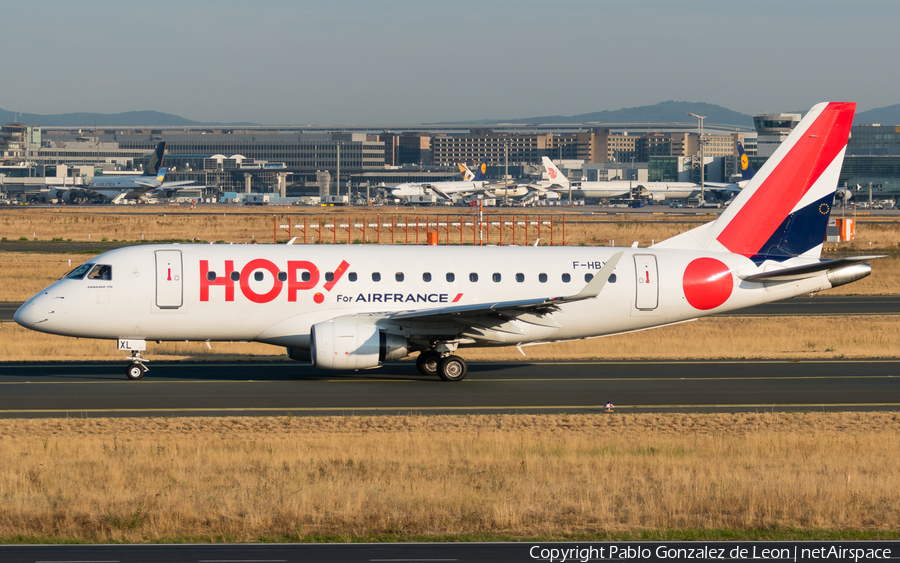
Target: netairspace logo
731,553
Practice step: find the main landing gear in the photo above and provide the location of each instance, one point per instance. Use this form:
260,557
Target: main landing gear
448,367
136,369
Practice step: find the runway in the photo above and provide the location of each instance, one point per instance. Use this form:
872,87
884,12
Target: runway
256,389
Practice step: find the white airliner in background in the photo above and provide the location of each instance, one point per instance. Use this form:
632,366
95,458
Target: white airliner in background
354,307
657,191
127,187
470,184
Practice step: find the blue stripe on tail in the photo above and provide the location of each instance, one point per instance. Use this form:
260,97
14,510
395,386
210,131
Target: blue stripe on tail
800,232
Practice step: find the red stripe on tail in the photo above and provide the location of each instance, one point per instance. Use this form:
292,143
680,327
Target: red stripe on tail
786,185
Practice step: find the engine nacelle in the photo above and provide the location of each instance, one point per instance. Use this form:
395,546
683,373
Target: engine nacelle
349,345
60,195
849,274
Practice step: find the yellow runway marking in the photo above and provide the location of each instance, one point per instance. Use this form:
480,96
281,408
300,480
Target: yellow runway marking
446,408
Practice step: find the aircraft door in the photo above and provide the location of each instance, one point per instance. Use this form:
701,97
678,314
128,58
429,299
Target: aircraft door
169,284
647,292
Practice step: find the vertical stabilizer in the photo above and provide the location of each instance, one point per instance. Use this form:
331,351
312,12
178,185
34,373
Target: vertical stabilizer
481,171
783,211
556,177
156,160
747,171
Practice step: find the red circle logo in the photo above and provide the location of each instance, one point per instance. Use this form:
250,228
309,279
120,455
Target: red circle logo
707,283
318,298
552,173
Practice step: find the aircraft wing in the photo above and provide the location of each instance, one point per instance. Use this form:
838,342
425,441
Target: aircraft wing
540,304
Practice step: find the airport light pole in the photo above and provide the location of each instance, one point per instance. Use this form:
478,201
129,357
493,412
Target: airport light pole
338,144
700,118
506,142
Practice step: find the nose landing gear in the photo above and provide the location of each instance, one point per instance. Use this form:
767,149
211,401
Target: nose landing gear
136,369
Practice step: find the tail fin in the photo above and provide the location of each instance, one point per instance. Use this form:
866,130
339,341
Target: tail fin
783,211
556,177
156,160
466,173
747,171
482,170
161,175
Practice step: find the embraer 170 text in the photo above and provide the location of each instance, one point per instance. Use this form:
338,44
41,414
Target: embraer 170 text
354,307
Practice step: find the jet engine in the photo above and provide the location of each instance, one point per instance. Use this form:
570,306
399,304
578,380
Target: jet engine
61,195
349,345
843,195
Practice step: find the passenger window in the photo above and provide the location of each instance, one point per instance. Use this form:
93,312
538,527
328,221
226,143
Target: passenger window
211,276
258,276
520,278
496,277
398,276
426,277
235,276
101,272
473,277
376,277
542,278
588,277
79,272
329,276
351,276
451,276
566,278
305,276
282,276
612,278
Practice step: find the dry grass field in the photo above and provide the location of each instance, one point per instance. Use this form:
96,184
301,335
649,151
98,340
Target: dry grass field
244,479
246,225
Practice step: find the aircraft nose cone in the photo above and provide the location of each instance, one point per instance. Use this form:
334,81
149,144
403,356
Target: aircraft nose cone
25,315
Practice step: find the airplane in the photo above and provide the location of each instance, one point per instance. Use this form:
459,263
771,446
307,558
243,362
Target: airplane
658,190
123,187
355,307
444,189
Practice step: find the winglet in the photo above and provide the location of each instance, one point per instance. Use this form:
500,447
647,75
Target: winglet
592,289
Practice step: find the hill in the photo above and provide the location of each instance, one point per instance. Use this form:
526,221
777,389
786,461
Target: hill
82,119
889,115
667,112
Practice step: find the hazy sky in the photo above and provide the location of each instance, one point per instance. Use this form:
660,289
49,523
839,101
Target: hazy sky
396,61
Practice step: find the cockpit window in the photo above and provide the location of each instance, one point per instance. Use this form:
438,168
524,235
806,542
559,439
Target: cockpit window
101,272
79,272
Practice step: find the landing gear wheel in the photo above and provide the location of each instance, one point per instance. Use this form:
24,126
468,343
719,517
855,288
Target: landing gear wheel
452,368
427,362
135,371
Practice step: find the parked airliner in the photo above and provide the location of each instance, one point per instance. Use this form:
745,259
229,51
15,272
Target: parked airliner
444,190
129,187
356,306
658,191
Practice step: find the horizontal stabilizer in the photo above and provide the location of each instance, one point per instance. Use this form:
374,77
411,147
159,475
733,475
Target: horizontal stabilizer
805,271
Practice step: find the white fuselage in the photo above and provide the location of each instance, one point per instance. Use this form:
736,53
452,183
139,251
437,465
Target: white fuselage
657,190
165,292
429,188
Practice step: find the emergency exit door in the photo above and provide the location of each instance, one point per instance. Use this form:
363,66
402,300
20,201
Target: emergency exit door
169,285
647,292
